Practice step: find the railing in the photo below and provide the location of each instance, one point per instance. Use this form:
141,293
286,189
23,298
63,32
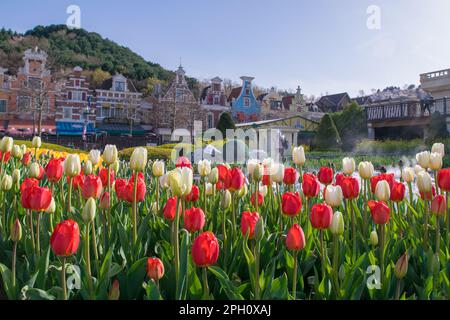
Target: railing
406,110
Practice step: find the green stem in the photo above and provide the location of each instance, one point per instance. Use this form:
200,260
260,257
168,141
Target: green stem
13,266
294,275
69,197
157,196
94,244
38,227
425,225
63,278
205,284
256,253
382,244
176,246
135,207
30,221
354,232
397,289
336,265
110,201
322,249
233,214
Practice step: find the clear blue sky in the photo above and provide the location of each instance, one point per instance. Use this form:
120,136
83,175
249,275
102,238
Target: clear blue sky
323,45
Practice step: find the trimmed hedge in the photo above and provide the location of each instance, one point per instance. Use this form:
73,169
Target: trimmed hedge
153,153
51,146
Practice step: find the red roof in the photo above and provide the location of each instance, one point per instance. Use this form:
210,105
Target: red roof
287,101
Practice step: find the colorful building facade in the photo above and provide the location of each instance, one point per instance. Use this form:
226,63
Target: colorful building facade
214,102
244,105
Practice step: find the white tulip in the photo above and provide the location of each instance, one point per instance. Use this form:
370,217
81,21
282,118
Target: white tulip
6,144
263,190
333,195
438,148
110,154
365,170
164,181
435,161
298,156
94,156
277,172
337,224
418,169
251,165
209,189
158,168
72,165
423,159
408,174
204,167
382,191
36,142
348,165
424,183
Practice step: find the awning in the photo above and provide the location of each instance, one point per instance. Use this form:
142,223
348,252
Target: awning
119,129
65,128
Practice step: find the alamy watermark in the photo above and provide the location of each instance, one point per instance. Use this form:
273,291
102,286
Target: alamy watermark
374,19
74,19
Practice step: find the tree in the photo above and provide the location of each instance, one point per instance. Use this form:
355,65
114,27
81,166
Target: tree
225,122
351,125
327,137
98,76
437,128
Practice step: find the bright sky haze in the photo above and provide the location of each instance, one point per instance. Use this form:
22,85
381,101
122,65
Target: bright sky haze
325,46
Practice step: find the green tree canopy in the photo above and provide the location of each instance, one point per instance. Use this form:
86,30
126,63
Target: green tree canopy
225,122
327,137
351,125
437,128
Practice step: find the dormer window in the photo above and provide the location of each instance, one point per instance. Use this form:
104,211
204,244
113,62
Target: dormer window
247,91
246,102
119,86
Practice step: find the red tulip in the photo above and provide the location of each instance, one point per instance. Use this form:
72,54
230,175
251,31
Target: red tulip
310,185
27,183
248,223
429,195
92,187
193,195
290,176
65,238
389,177
77,181
183,162
54,170
25,191
103,174
443,178
236,179
7,156
260,199
349,186
325,175
155,269
291,204
105,201
170,208
26,159
205,249
36,198
321,216
41,173
439,205
380,211
397,191
125,189
295,239
224,177
194,219
266,178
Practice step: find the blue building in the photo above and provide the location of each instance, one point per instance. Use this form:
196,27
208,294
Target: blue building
244,105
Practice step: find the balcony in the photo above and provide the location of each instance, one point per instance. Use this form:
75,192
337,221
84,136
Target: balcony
437,83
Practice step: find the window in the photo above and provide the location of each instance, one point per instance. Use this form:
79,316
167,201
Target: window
23,103
2,106
179,95
119,86
77,83
67,113
34,83
210,120
77,96
247,91
246,102
216,100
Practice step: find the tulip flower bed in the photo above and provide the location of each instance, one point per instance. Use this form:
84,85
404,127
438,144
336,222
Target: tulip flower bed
94,227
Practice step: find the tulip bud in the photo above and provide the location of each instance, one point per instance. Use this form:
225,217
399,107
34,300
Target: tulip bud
374,238
408,174
6,183
209,189
423,159
438,148
87,168
110,154
138,160
435,161
204,167
164,181
52,207
174,181
187,179
16,231
333,195
115,166
298,156
23,148
258,172
401,267
104,201
158,168
365,170
36,142
382,191
213,176
17,152
16,177
259,230
155,269
6,144
225,199
114,292
337,224
424,183
72,165
35,170
89,210
94,156
348,165
242,191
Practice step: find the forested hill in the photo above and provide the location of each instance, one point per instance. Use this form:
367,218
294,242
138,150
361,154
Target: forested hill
67,48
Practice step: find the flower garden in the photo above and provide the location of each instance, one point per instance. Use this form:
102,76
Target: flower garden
90,226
